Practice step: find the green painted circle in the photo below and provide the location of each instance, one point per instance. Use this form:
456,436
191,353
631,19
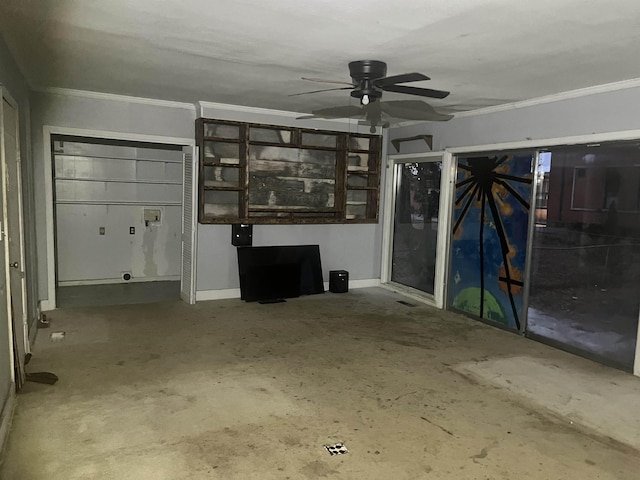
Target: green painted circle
468,300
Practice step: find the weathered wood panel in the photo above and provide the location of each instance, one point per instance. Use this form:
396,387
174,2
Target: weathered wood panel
221,210
291,199
292,169
265,182
292,154
311,185
271,135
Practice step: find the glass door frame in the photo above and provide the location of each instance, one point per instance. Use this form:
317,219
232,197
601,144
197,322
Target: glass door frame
526,289
392,180
548,340
457,153
541,145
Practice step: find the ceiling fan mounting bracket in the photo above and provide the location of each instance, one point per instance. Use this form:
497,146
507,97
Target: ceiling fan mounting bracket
367,69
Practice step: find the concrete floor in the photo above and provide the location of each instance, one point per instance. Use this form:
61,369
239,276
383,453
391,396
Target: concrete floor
230,390
117,294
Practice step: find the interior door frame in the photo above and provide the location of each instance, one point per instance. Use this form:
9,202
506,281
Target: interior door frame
444,221
24,308
47,132
4,232
189,224
8,402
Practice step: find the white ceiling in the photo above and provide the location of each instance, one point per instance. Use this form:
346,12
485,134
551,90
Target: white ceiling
253,52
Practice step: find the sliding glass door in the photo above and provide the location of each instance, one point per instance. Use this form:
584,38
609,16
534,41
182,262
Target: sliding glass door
416,222
489,236
585,263
542,242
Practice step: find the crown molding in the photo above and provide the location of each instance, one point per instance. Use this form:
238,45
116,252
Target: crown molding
202,104
556,97
582,92
115,97
245,109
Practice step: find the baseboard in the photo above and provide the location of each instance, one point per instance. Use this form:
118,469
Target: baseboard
364,283
204,295
109,281
6,418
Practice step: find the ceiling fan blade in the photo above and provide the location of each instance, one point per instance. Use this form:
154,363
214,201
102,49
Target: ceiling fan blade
322,80
318,91
413,110
422,92
404,78
338,112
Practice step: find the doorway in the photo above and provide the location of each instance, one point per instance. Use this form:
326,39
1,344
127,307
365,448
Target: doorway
118,220
418,224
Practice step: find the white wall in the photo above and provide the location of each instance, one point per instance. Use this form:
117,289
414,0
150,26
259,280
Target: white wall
574,115
89,113
101,191
87,257
355,248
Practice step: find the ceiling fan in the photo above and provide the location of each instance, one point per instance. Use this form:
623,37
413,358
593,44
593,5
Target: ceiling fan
369,81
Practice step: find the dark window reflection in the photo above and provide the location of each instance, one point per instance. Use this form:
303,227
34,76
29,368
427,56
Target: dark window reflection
585,280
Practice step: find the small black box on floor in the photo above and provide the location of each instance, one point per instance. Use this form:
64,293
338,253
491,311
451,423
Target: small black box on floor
338,281
241,235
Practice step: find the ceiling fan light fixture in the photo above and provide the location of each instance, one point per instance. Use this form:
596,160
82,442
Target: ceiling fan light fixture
366,95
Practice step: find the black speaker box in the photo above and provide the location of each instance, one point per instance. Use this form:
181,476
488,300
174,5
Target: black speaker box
338,281
241,235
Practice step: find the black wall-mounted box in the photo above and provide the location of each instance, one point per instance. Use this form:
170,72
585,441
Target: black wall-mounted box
338,281
241,235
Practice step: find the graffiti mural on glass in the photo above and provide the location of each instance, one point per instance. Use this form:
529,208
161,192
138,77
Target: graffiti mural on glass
488,248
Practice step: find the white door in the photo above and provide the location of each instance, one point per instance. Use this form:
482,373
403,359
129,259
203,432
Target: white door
189,224
6,336
13,231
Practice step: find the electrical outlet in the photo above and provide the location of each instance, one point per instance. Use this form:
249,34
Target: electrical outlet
132,230
102,230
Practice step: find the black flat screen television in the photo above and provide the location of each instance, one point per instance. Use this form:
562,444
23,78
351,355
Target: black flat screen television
287,271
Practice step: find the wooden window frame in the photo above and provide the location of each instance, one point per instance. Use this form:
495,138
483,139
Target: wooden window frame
345,177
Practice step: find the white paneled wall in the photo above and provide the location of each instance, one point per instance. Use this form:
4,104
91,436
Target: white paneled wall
101,194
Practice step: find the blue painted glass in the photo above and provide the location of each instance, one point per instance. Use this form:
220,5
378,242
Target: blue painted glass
489,237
